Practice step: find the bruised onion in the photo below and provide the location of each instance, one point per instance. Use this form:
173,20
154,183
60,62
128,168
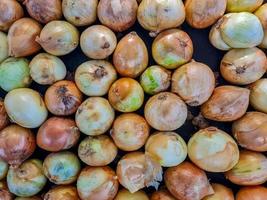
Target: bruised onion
252,193
62,193
97,183
3,46
165,111
5,194
58,38
243,5
57,134
162,195
63,98
194,82
258,95
220,193
261,14
187,182
126,195
251,169
3,169
3,115
227,103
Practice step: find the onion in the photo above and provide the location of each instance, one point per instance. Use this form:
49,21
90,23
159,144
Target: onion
4,121
126,195
162,195
220,193
59,38
62,193
3,169
16,144
21,37
258,95
94,116
137,170
5,194
95,77
193,82
251,169
98,42
57,134
202,14
80,12
119,15
3,47
243,66
28,198
126,95
130,131
163,117
252,193
10,11
63,98
97,183
14,73
46,69
44,11
227,103
187,182
172,48
168,148
261,14
131,56
213,150
62,168
243,5
97,151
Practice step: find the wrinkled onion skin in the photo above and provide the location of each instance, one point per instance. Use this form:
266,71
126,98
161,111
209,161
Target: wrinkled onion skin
258,95
220,193
62,193
4,121
5,194
162,195
126,195
252,193
261,13
243,5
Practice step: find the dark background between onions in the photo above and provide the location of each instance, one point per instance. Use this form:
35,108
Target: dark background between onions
203,52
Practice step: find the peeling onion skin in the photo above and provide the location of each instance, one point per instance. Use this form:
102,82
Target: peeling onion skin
250,170
202,14
252,193
261,13
57,134
3,169
4,120
194,82
62,193
243,5
162,195
227,103
5,194
118,15
126,195
258,95
187,182
250,131
3,46
97,183
220,193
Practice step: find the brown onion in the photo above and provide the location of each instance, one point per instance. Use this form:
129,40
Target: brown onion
220,193
4,120
227,103
162,195
119,15
126,195
258,95
57,134
252,193
21,37
5,194
261,13
243,5
187,182
62,193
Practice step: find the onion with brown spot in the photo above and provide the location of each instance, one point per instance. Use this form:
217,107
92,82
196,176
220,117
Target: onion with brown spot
162,195
4,120
220,193
252,193
258,95
62,193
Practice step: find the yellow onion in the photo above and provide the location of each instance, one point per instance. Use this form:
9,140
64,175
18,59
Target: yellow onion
94,116
3,46
130,131
5,194
10,11
250,131
97,151
220,193
137,170
97,183
187,182
25,107
131,56
62,193
28,198
44,11
213,150
203,13
162,195
243,5
118,15
194,82
126,195
251,169
21,37
261,13
163,117
58,38
252,193
3,169
63,98
4,121
258,95
46,69
167,148
227,103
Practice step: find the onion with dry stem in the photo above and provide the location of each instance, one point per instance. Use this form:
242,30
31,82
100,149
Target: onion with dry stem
126,195
220,193
252,193
3,46
62,193
4,121
162,195
258,95
261,13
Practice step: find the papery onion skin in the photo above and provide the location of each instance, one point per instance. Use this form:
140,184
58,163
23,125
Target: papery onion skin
252,193
26,180
95,77
63,98
97,183
3,46
250,131
44,11
57,134
258,95
243,5
187,182
194,82
46,69
220,193
172,48
3,169
261,14
62,193
4,120
21,37
126,195
162,195
251,169
163,117
59,38
227,103
5,194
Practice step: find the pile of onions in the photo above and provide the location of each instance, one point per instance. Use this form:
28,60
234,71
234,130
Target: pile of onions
261,14
3,116
126,195
258,95
62,193
243,5
3,46
220,193
162,195
252,193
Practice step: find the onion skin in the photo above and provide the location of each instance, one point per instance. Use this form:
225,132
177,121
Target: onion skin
28,198
57,134
4,120
227,103
243,5
63,98
252,193
261,14
126,195
3,46
5,194
251,169
187,182
3,169
62,193
194,82
258,95
162,195
220,193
